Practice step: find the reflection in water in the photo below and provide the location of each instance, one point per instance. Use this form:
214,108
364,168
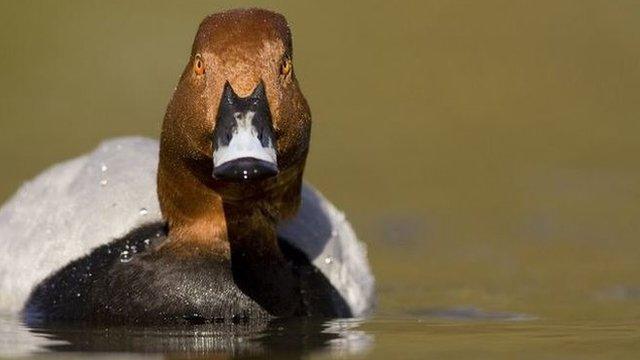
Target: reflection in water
291,338
17,340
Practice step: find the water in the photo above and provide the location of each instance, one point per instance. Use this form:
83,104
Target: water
474,334
486,152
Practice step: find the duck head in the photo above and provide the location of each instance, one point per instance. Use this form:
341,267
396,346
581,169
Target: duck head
236,131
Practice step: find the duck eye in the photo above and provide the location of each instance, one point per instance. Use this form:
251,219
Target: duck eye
285,68
198,65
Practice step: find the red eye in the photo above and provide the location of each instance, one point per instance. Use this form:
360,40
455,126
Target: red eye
198,65
286,67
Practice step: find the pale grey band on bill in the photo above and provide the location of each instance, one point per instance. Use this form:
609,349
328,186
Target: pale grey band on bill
244,143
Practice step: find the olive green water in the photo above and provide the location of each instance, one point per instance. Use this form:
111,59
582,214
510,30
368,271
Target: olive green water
486,151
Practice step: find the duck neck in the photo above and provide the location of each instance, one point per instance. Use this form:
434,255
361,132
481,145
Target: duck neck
224,217
259,267
194,213
251,230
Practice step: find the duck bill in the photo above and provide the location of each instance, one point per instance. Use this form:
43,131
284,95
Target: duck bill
243,137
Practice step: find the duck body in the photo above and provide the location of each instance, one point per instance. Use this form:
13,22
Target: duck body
65,231
130,281
125,281
214,223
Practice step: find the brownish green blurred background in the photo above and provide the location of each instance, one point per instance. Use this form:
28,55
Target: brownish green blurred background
486,151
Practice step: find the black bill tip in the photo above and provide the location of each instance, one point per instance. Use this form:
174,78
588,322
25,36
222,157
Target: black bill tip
245,169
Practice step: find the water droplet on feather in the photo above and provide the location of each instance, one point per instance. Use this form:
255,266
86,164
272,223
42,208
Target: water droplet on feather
125,256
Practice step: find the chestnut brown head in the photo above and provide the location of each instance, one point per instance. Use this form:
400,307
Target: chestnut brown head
237,114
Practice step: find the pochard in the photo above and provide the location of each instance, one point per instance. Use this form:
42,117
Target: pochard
213,224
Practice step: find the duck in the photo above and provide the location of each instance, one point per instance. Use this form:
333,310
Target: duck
212,224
